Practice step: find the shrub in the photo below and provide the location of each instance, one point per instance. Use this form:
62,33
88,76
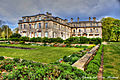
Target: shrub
16,60
9,67
15,35
24,38
22,42
1,57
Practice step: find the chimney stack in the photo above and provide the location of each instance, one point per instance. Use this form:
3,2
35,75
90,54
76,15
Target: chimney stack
89,18
66,20
71,19
78,19
94,18
49,14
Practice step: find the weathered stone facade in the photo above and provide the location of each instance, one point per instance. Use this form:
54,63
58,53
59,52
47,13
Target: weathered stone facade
45,25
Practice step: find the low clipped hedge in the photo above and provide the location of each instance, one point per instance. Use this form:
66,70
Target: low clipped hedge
94,65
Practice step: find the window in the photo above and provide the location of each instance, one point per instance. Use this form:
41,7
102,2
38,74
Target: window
79,30
20,26
97,24
30,35
53,34
30,19
24,19
30,26
35,34
85,24
90,30
90,34
61,34
84,30
24,26
74,25
90,24
39,34
35,18
96,34
80,25
46,25
96,30
46,34
39,25
35,26
39,18
74,30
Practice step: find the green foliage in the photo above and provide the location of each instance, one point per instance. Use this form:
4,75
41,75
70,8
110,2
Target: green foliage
15,35
38,71
116,29
24,38
16,60
82,40
93,66
1,57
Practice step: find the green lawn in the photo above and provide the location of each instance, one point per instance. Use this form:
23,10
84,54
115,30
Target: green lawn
40,54
112,60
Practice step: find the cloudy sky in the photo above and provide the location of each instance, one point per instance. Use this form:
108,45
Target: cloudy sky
12,10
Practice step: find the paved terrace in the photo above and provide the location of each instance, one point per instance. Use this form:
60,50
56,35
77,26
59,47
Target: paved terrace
80,64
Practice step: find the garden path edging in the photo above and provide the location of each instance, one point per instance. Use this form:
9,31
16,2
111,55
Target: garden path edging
82,62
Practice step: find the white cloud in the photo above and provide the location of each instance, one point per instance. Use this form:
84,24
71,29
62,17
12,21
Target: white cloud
13,10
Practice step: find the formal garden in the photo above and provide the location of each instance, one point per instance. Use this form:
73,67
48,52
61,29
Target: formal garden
24,58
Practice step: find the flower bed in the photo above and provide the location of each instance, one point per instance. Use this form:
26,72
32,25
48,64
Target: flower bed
16,69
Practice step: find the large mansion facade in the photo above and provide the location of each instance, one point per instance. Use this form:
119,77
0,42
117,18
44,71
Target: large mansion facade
46,25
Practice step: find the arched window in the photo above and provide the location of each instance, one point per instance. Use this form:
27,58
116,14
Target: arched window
46,34
74,30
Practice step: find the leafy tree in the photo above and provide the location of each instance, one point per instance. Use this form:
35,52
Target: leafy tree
7,31
3,34
107,24
16,30
116,29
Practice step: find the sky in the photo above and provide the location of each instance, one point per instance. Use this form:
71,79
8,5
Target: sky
12,10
